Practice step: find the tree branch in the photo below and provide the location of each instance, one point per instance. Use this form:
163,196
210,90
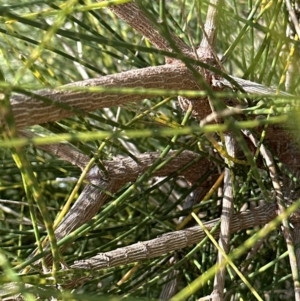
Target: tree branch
226,218
29,110
175,240
121,171
64,151
132,15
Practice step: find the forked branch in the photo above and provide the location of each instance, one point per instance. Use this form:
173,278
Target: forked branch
121,171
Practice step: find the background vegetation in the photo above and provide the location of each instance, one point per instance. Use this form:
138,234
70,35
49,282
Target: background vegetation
46,44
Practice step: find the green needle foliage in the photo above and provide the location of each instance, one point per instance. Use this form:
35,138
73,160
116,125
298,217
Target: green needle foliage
48,44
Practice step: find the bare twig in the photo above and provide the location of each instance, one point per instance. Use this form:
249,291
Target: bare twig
207,45
296,240
29,110
175,240
121,171
64,151
170,288
293,16
250,87
19,218
227,211
207,51
294,33
132,15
